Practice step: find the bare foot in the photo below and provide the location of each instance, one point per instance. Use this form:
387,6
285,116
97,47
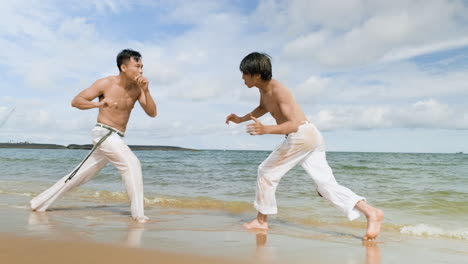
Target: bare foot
35,207
257,231
141,219
255,224
374,222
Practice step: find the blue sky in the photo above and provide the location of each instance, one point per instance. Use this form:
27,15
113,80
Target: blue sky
373,76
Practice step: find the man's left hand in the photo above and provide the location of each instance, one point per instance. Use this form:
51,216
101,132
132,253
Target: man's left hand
256,128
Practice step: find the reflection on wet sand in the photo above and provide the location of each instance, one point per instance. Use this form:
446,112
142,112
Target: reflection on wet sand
134,234
38,221
42,222
131,234
265,254
372,252
260,239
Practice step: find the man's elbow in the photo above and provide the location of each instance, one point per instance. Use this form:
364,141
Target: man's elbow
77,104
73,103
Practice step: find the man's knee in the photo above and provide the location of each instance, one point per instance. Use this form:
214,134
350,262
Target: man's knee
133,163
127,163
264,176
262,170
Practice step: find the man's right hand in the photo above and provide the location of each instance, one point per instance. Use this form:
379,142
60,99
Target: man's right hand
142,83
107,102
233,118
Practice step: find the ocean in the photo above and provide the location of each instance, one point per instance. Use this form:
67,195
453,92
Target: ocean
424,195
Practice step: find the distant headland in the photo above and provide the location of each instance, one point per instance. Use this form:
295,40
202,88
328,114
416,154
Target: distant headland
28,145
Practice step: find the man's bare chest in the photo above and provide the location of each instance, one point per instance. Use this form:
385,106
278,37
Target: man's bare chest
124,98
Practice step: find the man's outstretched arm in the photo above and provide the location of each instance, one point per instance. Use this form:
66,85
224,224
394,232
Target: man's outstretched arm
257,112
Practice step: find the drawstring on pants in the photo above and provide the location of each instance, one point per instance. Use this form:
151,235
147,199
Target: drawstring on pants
89,154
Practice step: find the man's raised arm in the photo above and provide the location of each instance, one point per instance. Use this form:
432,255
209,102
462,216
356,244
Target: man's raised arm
146,100
84,100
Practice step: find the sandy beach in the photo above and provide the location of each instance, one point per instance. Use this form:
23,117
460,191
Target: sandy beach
92,235
99,233
23,250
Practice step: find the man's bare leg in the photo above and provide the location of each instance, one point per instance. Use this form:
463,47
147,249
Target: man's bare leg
261,222
374,219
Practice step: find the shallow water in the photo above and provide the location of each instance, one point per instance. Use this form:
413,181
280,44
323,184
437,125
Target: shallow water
423,195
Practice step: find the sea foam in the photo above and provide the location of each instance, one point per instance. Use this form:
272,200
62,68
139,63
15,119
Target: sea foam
431,231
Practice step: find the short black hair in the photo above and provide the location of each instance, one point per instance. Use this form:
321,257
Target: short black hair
125,55
257,63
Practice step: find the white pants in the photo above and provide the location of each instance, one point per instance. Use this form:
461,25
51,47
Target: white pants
307,147
113,149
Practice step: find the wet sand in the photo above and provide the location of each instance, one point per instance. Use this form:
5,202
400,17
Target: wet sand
87,232
25,250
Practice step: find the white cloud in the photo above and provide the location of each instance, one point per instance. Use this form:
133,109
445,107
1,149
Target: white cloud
308,44
387,84
432,114
198,88
194,12
405,53
104,6
346,117
374,32
54,49
311,88
305,14
422,114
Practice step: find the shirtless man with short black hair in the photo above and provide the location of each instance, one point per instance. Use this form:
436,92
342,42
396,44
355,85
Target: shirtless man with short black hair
117,96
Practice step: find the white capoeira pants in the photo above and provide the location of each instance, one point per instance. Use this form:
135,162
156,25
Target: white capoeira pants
113,150
307,147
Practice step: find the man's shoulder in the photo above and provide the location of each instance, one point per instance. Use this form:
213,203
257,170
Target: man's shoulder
278,87
106,81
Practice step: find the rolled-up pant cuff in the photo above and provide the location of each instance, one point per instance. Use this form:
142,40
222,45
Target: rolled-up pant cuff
353,213
265,210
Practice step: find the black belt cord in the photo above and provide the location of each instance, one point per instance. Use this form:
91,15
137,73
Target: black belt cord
89,154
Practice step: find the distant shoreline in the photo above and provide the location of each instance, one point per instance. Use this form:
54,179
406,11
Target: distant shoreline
27,145
85,146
